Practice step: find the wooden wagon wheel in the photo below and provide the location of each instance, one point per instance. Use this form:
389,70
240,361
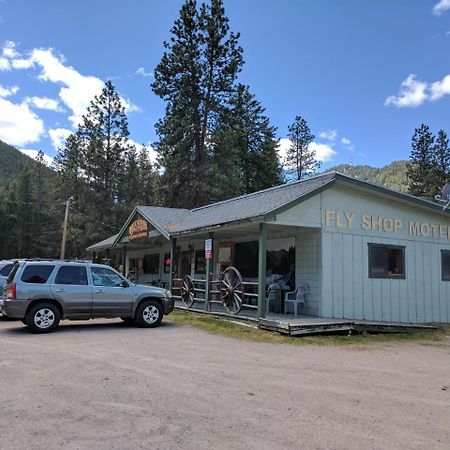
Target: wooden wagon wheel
232,290
187,291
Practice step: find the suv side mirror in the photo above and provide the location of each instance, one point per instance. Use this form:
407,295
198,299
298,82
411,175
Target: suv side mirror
124,284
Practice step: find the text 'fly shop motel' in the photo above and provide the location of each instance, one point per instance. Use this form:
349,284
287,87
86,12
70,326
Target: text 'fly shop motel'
358,251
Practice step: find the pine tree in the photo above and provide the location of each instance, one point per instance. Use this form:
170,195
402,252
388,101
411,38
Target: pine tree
104,135
421,172
300,157
196,78
245,152
441,161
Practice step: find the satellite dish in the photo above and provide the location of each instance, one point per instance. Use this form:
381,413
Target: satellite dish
445,196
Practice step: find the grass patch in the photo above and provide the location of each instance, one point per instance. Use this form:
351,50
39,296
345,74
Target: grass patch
237,331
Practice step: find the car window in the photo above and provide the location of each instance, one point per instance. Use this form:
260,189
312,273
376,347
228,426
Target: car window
4,271
105,277
74,275
37,273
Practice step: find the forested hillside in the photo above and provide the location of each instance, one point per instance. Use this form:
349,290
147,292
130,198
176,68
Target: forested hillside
392,176
12,162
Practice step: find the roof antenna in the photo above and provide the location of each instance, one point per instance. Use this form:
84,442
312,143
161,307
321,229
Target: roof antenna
444,197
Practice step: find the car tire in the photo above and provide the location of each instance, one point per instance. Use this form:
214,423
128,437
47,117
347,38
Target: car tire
148,314
43,318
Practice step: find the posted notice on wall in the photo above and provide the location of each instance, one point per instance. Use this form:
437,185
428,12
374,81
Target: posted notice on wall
208,248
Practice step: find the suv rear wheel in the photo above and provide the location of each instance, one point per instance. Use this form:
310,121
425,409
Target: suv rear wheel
149,314
43,318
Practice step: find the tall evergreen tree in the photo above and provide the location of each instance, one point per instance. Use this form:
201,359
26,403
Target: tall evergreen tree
441,161
300,157
196,78
104,134
421,171
93,168
245,148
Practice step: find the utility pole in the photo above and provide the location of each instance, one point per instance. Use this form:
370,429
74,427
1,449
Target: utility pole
64,237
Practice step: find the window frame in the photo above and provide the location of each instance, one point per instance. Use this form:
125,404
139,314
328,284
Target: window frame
444,251
386,275
64,266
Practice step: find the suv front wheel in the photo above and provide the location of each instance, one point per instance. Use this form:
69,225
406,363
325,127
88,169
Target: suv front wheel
148,314
43,318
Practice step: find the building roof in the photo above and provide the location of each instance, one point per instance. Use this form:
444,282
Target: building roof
106,243
258,205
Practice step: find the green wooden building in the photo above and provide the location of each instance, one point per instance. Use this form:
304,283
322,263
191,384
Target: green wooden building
366,252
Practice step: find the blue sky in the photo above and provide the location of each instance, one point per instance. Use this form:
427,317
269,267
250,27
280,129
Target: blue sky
363,74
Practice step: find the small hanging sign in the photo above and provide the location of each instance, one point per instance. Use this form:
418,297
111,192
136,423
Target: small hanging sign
208,248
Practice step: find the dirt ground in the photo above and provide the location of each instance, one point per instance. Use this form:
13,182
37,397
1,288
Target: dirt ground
106,385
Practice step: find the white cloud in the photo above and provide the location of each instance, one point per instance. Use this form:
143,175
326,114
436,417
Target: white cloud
58,137
44,103
440,88
8,91
324,152
329,135
33,154
9,50
18,124
441,6
4,64
21,63
141,71
77,91
346,141
412,93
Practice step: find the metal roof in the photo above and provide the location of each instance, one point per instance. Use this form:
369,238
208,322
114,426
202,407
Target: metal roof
255,206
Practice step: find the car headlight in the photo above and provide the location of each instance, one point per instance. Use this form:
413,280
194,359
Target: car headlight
168,295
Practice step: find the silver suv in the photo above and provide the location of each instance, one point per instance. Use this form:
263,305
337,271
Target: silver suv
41,293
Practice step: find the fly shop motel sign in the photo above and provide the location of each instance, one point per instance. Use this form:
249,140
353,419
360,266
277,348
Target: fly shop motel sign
349,220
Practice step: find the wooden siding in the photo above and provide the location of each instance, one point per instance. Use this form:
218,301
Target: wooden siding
347,290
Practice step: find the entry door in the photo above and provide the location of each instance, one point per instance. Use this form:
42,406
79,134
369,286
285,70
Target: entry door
112,295
185,264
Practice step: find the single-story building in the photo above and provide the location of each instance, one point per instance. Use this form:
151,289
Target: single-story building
364,251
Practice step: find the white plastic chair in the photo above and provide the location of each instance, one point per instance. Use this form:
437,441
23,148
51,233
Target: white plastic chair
273,297
296,297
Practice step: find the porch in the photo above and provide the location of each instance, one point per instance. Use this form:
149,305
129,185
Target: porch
303,325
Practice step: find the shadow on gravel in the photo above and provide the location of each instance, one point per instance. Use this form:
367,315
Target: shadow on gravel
87,326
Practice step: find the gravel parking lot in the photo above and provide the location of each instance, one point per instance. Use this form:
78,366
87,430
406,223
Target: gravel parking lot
106,385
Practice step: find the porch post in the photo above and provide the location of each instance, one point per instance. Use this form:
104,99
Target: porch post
208,276
261,312
173,250
124,262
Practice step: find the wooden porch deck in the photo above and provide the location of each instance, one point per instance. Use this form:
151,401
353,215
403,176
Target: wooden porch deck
304,325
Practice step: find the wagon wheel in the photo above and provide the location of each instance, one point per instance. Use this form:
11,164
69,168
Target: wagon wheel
187,291
232,290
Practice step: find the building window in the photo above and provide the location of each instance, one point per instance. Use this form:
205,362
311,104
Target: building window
445,263
386,261
151,264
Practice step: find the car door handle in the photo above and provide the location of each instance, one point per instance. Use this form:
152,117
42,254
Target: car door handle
59,290
99,291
